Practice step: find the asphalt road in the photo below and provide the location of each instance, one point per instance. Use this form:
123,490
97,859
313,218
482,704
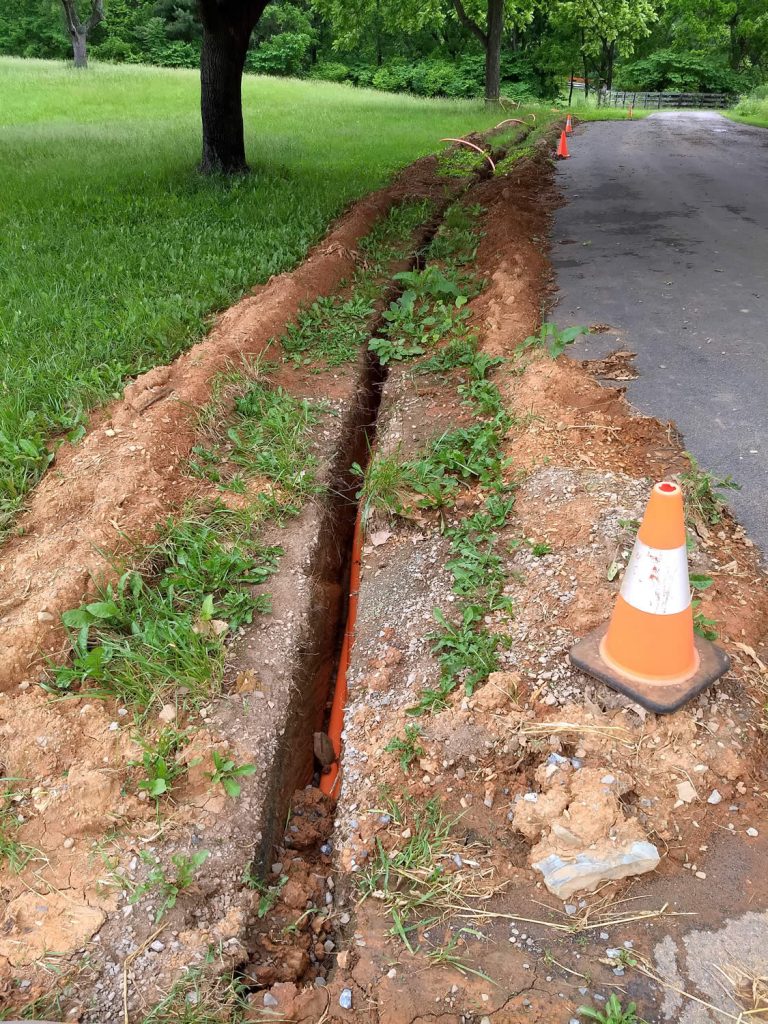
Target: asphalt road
664,236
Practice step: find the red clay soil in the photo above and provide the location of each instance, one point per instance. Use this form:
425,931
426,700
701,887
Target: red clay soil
114,486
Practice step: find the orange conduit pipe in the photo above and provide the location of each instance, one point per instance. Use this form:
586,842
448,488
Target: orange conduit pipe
332,778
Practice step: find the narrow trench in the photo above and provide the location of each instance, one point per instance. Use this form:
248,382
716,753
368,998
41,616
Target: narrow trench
316,661
317,658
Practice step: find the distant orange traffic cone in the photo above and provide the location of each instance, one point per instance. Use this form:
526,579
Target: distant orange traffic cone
568,125
562,147
649,651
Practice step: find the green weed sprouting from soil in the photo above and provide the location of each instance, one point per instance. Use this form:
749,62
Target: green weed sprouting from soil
702,502
159,762
168,889
334,328
13,853
407,748
269,434
156,636
612,1013
199,998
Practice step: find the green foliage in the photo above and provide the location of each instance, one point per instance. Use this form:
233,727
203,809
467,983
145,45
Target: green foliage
675,71
551,338
149,639
407,748
700,492
285,54
159,762
167,890
226,774
612,1012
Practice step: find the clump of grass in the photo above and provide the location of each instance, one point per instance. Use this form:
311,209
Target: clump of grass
334,328
613,1013
13,853
552,339
157,637
700,491
270,435
410,880
168,889
202,998
407,748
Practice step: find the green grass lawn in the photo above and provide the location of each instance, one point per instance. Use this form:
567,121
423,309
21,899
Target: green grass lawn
114,251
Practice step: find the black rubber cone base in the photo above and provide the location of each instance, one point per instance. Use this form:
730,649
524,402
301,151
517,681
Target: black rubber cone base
662,699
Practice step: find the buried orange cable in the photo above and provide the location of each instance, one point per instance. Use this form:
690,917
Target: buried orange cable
329,781
463,142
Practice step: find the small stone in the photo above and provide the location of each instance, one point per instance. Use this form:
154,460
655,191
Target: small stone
68,843
44,616
700,874
686,792
752,832
269,999
345,999
714,797
392,973
277,867
320,981
167,713
157,946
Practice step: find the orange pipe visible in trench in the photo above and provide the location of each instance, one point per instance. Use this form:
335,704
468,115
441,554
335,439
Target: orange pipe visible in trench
329,781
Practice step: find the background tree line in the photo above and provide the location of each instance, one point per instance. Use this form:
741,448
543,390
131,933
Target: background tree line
437,47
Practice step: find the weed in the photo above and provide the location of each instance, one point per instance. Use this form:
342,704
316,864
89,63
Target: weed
159,763
703,626
410,881
541,548
271,435
268,894
466,651
408,748
700,488
458,352
447,955
551,338
457,237
226,773
150,638
383,486
15,854
459,162
166,889
335,328
198,998
612,1013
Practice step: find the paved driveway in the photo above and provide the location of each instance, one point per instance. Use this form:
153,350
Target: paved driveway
664,236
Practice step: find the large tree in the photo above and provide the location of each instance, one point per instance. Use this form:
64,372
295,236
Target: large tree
79,30
602,26
227,27
485,19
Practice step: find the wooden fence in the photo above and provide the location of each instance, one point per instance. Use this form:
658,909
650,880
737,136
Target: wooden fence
658,100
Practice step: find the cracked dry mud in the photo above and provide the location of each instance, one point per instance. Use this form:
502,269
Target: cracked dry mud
582,460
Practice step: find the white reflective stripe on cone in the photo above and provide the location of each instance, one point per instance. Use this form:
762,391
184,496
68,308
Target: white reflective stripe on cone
656,580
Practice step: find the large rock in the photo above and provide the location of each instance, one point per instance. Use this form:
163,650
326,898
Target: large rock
589,869
584,836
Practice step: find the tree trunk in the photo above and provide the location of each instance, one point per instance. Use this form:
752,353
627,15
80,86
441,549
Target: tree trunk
79,51
221,75
493,51
227,27
570,91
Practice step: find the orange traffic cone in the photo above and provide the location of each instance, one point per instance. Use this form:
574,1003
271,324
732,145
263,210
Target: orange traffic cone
649,651
568,125
562,147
